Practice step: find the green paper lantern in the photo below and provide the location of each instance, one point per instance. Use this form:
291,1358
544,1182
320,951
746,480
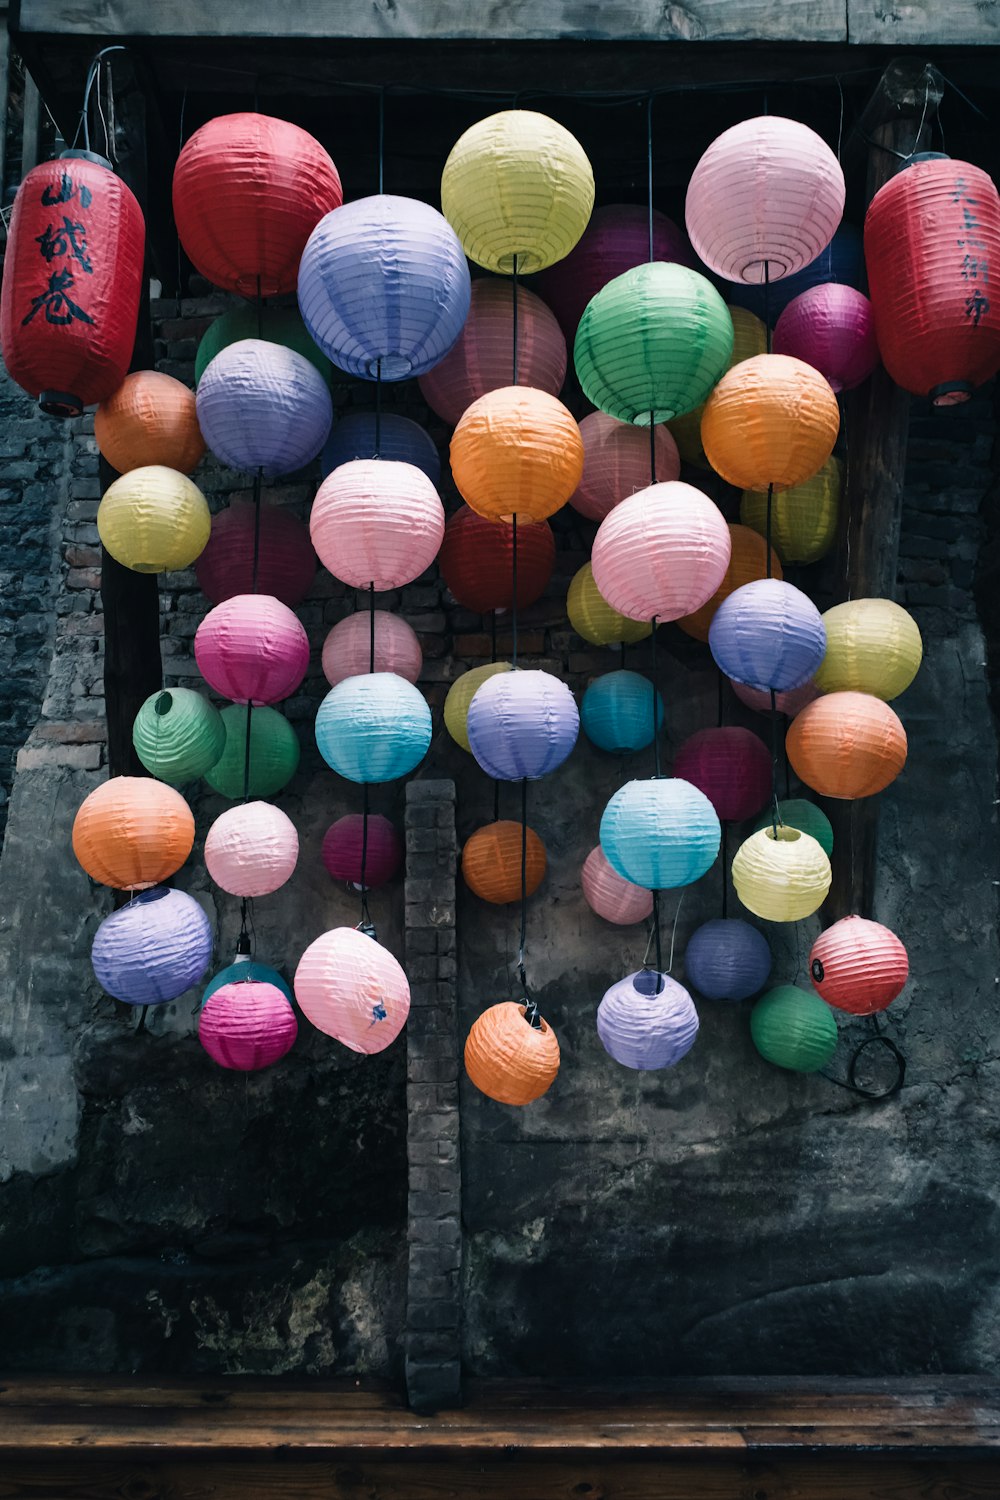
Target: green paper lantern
654,340
793,1029
799,813
274,753
178,735
278,325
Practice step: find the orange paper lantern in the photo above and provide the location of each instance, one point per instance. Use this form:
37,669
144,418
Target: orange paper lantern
747,562
507,1058
132,833
847,745
491,862
770,420
150,419
516,451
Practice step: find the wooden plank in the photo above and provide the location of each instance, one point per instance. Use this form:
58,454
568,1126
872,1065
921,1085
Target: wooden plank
31,126
925,23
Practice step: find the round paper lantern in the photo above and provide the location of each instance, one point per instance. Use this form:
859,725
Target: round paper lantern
384,287
617,712
274,753
507,1058
153,520
783,879
662,553
799,813
843,261
594,619
517,184
262,406
73,273
243,969
491,862
461,694
351,988
149,419
727,959
793,1029
749,338
476,561
247,191
276,325
153,949
660,833
747,563
132,832
345,842
770,421
373,728
647,1021
731,766
482,359
764,200
932,233
251,850
789,703
347,649
609,895
247,1026
251,648
872,646
616,463
858,966
846,745
652,341
376,522
286,562
831,328
516,452
522,725
769,635
803,519
400,440
178,735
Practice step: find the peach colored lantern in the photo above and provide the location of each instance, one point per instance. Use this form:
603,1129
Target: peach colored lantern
347,649
132,832
770,421
858,966
661,553
150,419
352,988
610,895
616,463
747,563
376,521
491,862
847,745
507,1058
516,451
251,850
252,648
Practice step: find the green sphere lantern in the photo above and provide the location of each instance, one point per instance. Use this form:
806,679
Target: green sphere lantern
178,735
793,1029
274,753
277,325
800,813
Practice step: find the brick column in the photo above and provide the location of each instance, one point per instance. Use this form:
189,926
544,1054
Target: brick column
433,1347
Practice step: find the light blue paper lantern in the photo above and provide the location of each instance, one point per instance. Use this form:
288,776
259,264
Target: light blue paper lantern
399,438
153,949
769,635
727,959
243,969
384,287
373,728
522,725
660,833
617,712
262,406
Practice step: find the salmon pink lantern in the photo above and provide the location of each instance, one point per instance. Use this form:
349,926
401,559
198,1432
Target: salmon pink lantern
262,406
732,766
491,862
347,650
516,451
789,703
770,421
360,434
376,522
149,419
286,562
647,1021
846,745
461,694
858,966
507,1058
662,553
747,563
769,635
373,728
727,959
247,1025
594,619
661,833
522,725
346,846
781,877
351,988
476,560
831,328
612,897
793,1029
251,648
803,518
276,325
251,850
616,463
274,754
132,832
153,949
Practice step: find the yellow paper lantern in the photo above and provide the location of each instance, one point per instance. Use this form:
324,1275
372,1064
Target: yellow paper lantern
461,694
771,420
749,338
153,520
803,519
872,646
592,617
781,879
517,184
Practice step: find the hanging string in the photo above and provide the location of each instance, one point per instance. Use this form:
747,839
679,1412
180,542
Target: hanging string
381,138
879,1039
656,727
378,408
513,290
767,528
513,607
725,868
531,1014
649,168
775,812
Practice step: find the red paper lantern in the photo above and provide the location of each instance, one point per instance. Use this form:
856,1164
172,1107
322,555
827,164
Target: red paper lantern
731,766
858,966
286,562
344,843
71,283
476,561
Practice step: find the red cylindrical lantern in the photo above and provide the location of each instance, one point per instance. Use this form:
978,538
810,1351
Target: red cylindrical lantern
286,562
732,766
476,557
71,284
858,966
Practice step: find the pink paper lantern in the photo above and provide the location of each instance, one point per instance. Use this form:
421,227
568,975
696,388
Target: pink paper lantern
251,850
347,649
789,703
344,842
616,463
352,988
663,553
247,1025
286,562
611,896
482,360
731,766
252,649
832,328
376,521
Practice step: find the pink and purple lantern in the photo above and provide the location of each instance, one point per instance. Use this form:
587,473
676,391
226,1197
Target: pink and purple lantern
832,328
732,766
153,949
286,562
522,725
346,849
247,1025
769,635
662,553
347,650
612,897
251,850
616,463
377,522
727,959
353,989
647,1021
252,649
262,406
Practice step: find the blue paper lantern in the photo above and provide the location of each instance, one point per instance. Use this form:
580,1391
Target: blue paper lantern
153,949
399,438
247,968
727,959
660,833
384,287
617,712
769,635
373,728
522,725
262,406
842,261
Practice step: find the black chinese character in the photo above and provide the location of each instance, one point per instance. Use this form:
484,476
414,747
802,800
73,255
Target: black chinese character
977,305
975,268
59,308
958,194
67,187
70,240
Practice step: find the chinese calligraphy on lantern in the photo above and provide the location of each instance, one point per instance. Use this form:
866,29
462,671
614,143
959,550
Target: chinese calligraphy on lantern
975,263
64,240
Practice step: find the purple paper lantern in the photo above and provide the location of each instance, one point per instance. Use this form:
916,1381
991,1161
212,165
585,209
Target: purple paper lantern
769,635
153,949
522,725
399,439
647,1021
262,406
344,843
247,1025
727,959
831,328
732,766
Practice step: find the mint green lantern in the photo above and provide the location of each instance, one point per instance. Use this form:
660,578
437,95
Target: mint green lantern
793,1029
274,753
653,340
278,325
178,735
804,815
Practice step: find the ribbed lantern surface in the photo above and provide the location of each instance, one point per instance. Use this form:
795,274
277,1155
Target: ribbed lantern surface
846,745
793,1029
262,406
286,562
154,949
347,648
831,328
617,712
616,463
149,419
647,1021
516,451
858,965
610,896
727,959
732,766
522,724
274,753
803,518
592,617
783,879
353,989
491,862
251,648
799,813
247,1026
769,635
770,421
373,728
747,563
346,845
663,552
660,833
508,1059
132,832
358,434
376,521
476,561
460,696
154,520
872,646
178,735
251,850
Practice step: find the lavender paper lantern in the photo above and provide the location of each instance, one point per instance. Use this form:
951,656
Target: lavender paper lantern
347,649
251,850
732,766
247,1025
262,406
522,725
346,846
727,959
660,833
153,949
360,434
286,562
832,328
647,1021
377,522
611,897
617,712
251,648
769,635
663,552
373,728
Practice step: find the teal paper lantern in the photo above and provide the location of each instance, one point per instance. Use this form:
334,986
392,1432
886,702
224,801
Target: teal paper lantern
247,968
278,325
274,753
373,728
793,1029
798,812
660,833
655,340
617,712
178,735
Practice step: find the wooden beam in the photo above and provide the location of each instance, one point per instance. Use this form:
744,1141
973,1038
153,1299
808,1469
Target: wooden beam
31,125
924,23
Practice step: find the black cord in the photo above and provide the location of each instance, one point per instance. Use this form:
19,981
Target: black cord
775,813
656,727
378,408
381,138
656,932
371,626
851,1083
725,868
513,287
767,529
649,170
513,606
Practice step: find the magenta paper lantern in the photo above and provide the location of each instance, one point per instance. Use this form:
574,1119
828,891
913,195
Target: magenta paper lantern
347,649
647,1021
376,521
344,843
247,1025
286,562
482,360
732,766
616,463
611,896
352,988
789,703
252,649
251,850
662,553
832,328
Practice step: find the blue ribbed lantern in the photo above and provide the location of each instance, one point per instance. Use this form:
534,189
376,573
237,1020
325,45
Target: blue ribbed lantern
842,261
153,949
660,833
727,959
400,439
262,406
373,728
247,968
384,287
617,712
522,725
769,635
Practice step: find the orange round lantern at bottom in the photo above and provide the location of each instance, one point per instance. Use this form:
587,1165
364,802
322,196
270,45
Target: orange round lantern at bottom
491,862
846,745
132,833
507,1058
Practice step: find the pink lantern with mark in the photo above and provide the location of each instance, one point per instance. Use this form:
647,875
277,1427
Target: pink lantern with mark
286,562
252,649
616,463
611,896
347,649
251,850
789,703
247,1025
732,766
663,553
377,521
344,848
352,988
832,328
